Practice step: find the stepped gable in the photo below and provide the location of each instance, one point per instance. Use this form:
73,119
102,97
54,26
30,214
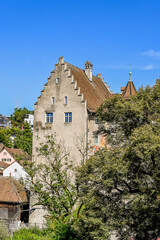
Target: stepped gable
11,191
94,92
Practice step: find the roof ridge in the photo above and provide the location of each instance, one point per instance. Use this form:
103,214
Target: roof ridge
78,68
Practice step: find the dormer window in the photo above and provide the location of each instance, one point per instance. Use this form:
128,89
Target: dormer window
52,100
57,80
65,100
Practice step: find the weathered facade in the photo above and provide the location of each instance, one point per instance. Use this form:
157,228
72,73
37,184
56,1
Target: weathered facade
67,107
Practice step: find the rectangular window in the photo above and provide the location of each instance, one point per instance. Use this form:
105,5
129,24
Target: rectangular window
96,140
49,117
57,80
65,100
4,159
53,100
68,117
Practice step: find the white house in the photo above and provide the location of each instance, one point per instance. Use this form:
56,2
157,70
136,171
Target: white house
29,119
16,171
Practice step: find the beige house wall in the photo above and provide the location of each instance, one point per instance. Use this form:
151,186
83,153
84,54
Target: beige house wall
69,133
73,135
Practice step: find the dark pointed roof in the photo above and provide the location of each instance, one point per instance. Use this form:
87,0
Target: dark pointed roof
129,91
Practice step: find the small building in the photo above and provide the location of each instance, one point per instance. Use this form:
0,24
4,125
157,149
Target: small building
10,155
5,122
14,170
29,119
13,199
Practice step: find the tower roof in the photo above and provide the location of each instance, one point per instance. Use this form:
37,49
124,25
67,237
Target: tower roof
130,90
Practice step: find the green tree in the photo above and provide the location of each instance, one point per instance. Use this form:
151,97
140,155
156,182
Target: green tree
23,139
55,188
5,137
16,138
121,187
17,118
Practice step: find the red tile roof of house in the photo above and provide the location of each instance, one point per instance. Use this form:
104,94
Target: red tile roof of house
11,191
17,154
3,166
94,92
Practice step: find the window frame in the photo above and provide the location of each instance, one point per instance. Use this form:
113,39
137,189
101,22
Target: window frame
49,117
57,80
65,100
68,117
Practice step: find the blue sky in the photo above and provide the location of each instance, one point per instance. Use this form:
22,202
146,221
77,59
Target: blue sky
112,34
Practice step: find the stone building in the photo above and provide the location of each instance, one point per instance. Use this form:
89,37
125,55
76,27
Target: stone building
67,107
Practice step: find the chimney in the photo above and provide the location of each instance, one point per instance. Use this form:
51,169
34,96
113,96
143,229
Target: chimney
88,70
61,60
99,75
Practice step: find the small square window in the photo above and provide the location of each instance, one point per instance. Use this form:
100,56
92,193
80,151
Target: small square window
49,117
53,100
68,117
65,100
57,80
8,159
5,153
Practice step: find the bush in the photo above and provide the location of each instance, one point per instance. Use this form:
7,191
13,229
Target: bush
64,231
33,234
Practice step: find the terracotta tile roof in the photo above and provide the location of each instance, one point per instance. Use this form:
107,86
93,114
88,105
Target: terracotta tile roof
11,191
18,153
129,91
1,147
94,92
122,88
3,166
